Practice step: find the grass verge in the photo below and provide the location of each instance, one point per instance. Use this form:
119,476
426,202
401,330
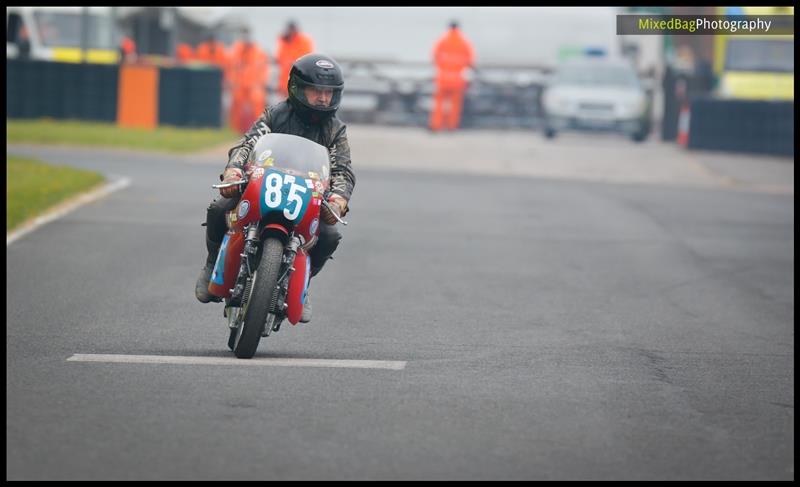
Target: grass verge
32,187
71,132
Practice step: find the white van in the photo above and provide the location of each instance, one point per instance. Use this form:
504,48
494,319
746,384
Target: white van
56,33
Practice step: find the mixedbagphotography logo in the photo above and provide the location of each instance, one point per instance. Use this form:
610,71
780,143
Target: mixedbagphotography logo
705,24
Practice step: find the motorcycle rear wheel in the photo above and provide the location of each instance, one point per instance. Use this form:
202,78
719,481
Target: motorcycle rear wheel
248,333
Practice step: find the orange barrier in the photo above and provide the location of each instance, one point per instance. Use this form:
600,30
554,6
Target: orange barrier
137,100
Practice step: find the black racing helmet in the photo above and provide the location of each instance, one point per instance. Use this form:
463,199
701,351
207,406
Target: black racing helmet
315,71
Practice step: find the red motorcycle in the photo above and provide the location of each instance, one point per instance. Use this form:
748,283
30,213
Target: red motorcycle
262,269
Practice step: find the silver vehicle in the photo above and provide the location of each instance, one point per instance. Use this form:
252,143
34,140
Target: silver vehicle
596,94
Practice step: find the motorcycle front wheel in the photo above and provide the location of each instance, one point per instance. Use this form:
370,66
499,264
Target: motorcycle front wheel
248,333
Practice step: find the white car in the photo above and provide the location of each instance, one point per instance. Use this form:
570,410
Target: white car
596,94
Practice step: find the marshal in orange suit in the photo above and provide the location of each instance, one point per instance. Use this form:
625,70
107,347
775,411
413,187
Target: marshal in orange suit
249,74
292,45
213,51
452,54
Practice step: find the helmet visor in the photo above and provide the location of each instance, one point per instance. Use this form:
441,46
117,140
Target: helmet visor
324,98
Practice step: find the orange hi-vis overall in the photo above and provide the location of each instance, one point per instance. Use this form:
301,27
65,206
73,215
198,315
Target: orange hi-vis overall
249,75
184,53
452,53
287,53
214,53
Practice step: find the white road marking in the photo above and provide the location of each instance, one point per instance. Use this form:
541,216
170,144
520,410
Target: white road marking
65,208
257,361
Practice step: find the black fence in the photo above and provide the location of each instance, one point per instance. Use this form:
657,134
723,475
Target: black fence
36,89
190,97
761,127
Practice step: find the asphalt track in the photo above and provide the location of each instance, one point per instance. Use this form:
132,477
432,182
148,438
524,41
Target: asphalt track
549,328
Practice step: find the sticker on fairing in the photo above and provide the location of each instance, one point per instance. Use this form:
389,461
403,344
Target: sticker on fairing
244,207
264,155
284,192
218,276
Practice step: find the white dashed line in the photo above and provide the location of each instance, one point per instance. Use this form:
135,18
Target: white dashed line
257,361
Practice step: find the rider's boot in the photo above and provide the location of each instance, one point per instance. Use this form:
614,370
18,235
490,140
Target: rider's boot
201,288
306,316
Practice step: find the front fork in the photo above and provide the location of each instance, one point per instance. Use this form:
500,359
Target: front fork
236,305
277,314
240,294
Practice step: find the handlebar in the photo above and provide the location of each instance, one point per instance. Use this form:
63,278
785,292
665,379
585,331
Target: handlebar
335,214
228,185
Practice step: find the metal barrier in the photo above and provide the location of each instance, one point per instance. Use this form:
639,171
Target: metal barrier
401,93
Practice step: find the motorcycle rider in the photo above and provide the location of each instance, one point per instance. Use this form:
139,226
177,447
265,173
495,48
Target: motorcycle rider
315,92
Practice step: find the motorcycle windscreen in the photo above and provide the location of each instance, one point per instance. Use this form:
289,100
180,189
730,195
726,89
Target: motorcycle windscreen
292,155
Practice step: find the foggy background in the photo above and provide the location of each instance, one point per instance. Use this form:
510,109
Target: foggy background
500,35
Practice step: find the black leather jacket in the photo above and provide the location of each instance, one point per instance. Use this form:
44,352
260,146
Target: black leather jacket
282,119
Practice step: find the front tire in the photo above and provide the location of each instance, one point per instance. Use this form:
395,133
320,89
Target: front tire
248,334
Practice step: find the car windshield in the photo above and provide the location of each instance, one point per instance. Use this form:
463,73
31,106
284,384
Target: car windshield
293,155
63,29
760,55
597,76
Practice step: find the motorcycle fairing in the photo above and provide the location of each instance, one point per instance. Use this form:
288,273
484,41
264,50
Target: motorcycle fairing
288,193
227,266
298,286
